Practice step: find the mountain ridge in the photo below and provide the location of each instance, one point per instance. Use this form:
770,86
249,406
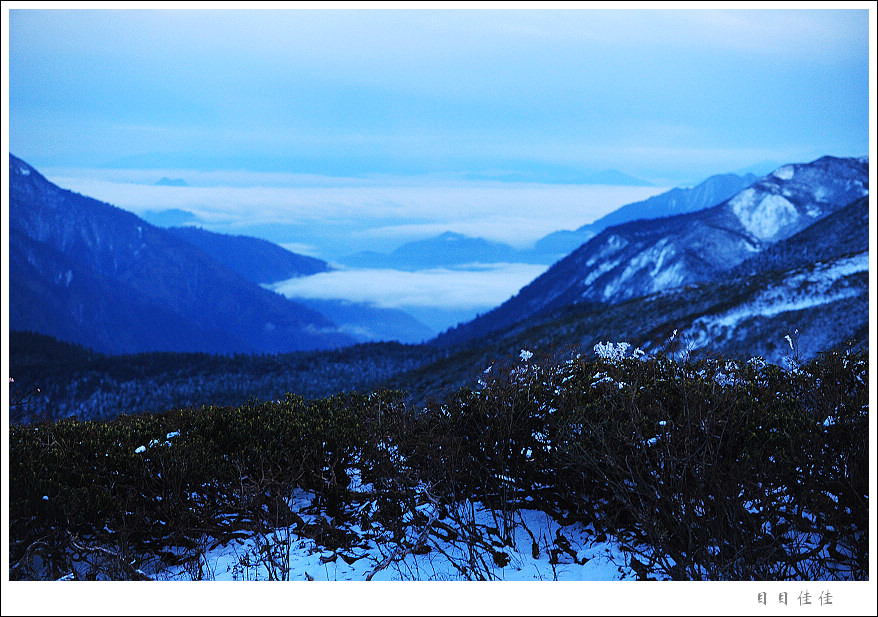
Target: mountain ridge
678,200
642,257
106,248
255,259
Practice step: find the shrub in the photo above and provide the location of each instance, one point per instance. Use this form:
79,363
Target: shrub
702,469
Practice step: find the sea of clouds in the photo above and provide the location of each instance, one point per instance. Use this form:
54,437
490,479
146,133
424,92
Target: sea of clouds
329,218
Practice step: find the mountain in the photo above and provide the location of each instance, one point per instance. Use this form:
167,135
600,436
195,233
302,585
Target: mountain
367,323
453,249
169,218
171,182
90,273
446,250
821,309
812,287
821,303
551,173
255,259
643,257
264,262
676,201
615,178
842,233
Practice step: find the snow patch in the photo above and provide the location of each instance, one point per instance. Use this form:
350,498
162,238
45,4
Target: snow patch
668,278
602,268
765,218
613,244
652,259
785,173
793,294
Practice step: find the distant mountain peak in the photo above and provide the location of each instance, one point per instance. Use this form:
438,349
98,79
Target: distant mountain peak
449,248
615,177
706,194
172,182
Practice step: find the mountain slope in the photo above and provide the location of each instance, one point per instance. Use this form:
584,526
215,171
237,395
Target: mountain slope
844,232
264,262
52,294
821,305
643,257
367,323
255,259
676,201
446,250
118,284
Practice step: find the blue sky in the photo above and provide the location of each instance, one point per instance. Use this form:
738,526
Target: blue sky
539,95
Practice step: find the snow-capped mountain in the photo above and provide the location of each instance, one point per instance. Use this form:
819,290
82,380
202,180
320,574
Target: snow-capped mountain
88,272
676,201
644,257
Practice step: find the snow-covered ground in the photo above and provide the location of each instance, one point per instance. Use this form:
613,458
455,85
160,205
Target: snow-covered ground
541,550
532,563
360,580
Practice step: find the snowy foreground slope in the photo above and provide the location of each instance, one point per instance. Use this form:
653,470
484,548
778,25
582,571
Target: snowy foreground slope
628,468
542,550
631,467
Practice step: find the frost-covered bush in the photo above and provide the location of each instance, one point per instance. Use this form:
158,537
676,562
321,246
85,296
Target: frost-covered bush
705,469
711,469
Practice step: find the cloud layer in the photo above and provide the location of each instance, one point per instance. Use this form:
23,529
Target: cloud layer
339,216
477,288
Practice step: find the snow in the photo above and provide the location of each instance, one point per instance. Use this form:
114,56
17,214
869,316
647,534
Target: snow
669,277
656,260
764,217
813,210
654,256
800,290
603,267
534,539
785,173
612,244
615,353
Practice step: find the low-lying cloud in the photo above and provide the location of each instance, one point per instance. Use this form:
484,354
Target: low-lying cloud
361,212
476,288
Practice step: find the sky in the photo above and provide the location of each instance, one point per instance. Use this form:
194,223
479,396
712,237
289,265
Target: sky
336,131
668,96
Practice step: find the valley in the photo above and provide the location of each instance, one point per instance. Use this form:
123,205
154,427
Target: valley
706,282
